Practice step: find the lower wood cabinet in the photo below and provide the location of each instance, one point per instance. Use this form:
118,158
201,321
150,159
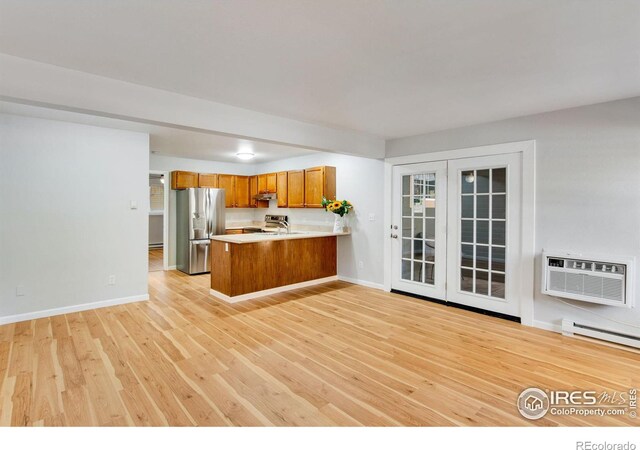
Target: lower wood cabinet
183,180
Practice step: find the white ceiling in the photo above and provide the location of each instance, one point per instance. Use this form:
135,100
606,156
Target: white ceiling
388,67
170,141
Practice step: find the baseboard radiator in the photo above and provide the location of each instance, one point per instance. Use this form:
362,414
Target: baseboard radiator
570,328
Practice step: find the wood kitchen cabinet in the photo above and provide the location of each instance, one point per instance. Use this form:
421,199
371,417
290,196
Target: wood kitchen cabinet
207,180
267,183
242,197
253,190
319,182
295,189
227,182
237,190
282,189
183,180
251,267
272,183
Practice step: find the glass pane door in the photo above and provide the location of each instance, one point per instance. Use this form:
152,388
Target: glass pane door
419,242
418,227
483,219
482,230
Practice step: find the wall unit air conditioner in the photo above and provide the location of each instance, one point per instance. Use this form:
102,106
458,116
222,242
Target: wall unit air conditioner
590,278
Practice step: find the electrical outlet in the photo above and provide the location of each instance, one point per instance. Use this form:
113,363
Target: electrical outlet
360,264
111,280
19,290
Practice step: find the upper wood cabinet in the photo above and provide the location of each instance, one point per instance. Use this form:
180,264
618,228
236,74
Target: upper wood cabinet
267,183
295,189
319,182
227,182
253,190
272,183
262,183
183,180
281,189
243,197
207,180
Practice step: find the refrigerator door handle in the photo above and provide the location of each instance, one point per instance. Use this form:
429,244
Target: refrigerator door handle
210,212
207,209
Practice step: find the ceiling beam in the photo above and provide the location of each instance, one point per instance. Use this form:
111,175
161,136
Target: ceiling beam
31,82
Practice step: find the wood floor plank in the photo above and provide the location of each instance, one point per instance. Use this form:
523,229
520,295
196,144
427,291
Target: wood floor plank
331,354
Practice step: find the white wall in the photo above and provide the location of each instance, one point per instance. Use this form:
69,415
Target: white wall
66,223
359,180
156,228
156,216
587,187
169,163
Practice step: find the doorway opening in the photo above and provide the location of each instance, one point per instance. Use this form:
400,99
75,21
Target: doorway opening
157,232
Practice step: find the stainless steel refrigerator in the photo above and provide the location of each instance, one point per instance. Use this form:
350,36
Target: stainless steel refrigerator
200,215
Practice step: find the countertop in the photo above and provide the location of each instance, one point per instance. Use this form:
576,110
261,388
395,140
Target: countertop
261,237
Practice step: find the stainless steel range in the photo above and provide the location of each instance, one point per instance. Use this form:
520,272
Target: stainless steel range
276,223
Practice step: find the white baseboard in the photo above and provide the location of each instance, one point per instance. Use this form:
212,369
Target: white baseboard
172,268
288,287
71,309
547,326
362,282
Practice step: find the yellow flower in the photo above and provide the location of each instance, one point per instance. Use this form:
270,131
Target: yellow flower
330,207
336,205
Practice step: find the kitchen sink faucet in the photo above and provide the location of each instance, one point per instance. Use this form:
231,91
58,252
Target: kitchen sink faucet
285,224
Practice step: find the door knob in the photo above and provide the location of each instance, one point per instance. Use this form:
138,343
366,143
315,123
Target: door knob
395,227
394,236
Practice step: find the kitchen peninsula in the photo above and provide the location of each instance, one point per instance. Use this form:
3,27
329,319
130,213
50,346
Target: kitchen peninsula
245,266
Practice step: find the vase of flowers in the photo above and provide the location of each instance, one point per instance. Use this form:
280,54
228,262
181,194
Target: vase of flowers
339,208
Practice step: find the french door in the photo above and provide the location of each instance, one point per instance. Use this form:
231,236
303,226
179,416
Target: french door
419,229
458,231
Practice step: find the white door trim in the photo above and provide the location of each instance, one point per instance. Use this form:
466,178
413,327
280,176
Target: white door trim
165,216
528,150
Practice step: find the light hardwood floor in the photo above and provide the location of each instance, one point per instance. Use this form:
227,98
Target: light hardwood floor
155,259
335,354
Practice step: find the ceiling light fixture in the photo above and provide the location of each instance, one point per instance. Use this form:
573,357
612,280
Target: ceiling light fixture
245,154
